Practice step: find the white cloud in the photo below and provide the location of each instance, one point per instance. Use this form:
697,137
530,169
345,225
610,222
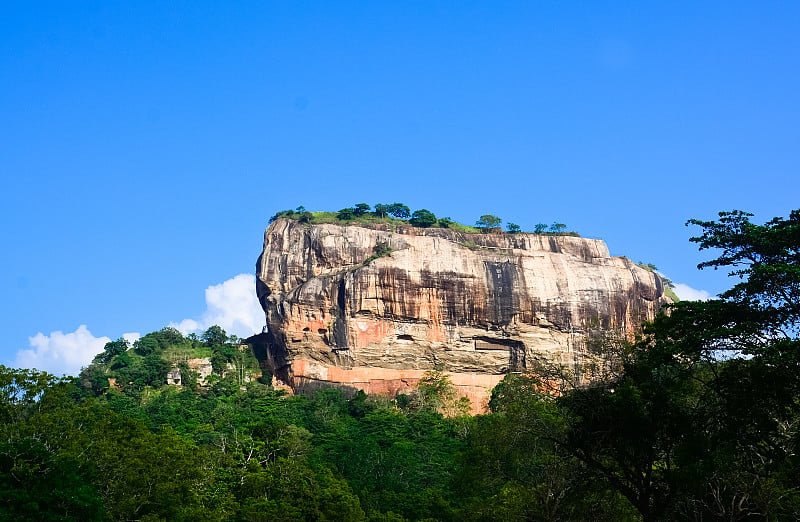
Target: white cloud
232,305
61,353
687,293
186,326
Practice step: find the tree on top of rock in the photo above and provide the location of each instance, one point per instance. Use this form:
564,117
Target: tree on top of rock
488,222
398,210
423,218
360,209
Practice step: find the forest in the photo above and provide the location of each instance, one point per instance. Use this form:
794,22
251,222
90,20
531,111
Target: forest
700,420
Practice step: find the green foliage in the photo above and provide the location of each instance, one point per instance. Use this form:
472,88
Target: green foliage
381,210
436,393
513,228
150,370
346,214
686,431
398,210
155,342
422,218
37,483
766,259
360,213
361,209
444,222
214,336
540,228
112,349
488,222
458,227
300,214
382,249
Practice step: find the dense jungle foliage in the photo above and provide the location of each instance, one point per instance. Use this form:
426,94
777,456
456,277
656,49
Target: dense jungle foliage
698,422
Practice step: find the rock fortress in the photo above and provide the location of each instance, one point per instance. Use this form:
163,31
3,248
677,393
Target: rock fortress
374,307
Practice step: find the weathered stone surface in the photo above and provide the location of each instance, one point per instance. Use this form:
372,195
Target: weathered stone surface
479,305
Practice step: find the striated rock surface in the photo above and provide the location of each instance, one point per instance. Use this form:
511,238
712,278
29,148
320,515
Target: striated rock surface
477,305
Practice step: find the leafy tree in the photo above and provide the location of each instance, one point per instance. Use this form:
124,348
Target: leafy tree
423,218
146,345
38,484
20,390
436,392
381,210
382,249
444,222
488,222
686,433
156,341
529,478
513,228
361,209
766,259
300,213
112,349
346,214
398,210
558,228
214,336
95,378
540,228
281,214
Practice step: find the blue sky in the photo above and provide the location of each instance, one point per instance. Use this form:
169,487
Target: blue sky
144,145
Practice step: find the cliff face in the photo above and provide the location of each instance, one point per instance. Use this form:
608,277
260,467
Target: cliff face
479,305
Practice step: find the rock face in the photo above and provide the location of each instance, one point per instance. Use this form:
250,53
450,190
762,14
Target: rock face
477,305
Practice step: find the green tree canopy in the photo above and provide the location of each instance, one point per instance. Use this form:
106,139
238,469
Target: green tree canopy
381,210
423,218
214,336
360,209
112,349
399,211
690,428
346,214
488,222
766,259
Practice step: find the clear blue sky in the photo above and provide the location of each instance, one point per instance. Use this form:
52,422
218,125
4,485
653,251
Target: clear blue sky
144,145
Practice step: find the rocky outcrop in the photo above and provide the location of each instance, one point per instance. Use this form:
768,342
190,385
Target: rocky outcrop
477,305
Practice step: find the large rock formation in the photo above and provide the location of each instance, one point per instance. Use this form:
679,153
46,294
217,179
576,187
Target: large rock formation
477,305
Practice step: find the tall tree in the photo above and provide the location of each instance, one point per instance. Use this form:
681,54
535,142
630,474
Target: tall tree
214,336
488,222
691,428
381,210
